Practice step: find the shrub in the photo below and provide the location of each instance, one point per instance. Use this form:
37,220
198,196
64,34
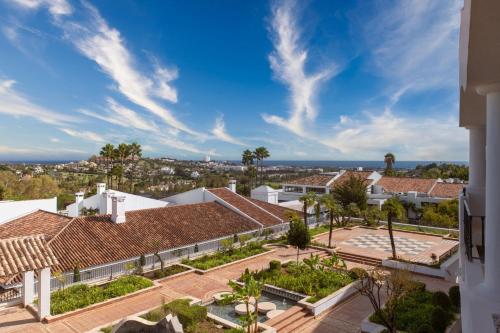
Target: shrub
357,273
423,328
439,319
419,286
189,315
275,265
168,271
76,274
440,298
142,260
454,293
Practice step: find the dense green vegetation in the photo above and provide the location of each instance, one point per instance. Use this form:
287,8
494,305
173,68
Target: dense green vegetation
313,277
167,271
443,171
422,311
226,255
444,215
82,295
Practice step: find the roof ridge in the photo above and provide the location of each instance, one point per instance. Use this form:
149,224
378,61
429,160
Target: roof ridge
245,215
62,229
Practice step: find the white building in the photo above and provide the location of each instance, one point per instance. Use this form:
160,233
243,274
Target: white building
265,193
10,210
167,170
480,210
102,201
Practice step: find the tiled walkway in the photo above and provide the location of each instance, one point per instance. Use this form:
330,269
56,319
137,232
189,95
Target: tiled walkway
346,318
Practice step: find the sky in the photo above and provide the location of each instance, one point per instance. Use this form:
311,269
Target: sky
309,80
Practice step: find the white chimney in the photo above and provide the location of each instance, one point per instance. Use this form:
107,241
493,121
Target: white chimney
105,202
232,185
118,209
78,203
101,187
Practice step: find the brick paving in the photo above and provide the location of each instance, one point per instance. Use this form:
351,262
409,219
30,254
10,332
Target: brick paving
374,243
343,319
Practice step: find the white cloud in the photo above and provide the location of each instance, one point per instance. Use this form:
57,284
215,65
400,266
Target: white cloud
56,7
179,144
120,115
414,43
288,62
15,104
55,140
105,45
219,132
410,138
85,135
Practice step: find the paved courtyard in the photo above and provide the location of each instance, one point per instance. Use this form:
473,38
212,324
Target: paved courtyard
375,243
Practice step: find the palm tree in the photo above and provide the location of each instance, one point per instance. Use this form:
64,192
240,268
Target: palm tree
261,153
308,200
108,153
122,153
250,290
394,209
330,204
247,158
135,151
389,160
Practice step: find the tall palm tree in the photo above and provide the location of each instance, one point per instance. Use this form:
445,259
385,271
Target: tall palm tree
135,151
247,158
394,209
261,153
389,160
122,153
108,153
308,200
330,204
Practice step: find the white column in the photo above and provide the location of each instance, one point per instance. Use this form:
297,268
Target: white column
28,287
492,208
477,169
43,293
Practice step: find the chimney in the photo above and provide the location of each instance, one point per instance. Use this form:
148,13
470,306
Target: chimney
101,187
118,209
232,185
105,202
78,203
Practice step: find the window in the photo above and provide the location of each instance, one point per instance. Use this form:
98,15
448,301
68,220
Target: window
320,190
296,189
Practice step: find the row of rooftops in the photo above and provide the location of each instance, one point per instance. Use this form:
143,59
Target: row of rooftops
89,241
386,184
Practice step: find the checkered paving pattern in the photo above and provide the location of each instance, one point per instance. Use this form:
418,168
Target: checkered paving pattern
404,246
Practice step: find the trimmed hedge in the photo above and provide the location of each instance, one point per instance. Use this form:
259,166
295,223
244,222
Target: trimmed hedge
81,295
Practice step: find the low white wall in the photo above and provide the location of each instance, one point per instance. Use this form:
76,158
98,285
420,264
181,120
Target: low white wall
10,210
447,271
331,300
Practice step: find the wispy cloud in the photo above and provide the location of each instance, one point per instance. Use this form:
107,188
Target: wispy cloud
16,104
414,43
55,7
85,135
288,62
120,115
219,132
104,45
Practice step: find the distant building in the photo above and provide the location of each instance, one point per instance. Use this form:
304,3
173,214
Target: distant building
207,158
13,209
195,174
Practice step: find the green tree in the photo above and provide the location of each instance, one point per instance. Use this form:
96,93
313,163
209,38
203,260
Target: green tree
298,235
135,151
353,190
330,204
308,200
122,153
394,210
251,290
108,153
247,159
261,153
389,160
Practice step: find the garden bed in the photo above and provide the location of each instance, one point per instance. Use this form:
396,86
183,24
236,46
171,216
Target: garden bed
167,271
81,295
424,311
226,256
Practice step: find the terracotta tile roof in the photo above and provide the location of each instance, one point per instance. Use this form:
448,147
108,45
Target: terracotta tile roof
314,180
346,175
404,185
446,190
276,210
21,254
246,206
39,222
96,240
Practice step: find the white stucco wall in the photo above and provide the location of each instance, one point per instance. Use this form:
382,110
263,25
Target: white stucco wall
10,210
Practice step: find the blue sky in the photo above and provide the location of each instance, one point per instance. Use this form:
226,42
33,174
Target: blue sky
323,80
